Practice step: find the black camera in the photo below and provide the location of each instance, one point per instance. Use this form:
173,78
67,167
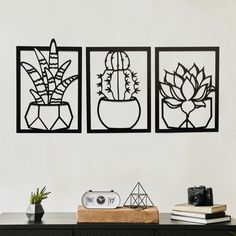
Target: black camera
200,196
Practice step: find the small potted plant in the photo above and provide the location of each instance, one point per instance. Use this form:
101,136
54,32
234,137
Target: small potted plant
35,210
118,108
48,111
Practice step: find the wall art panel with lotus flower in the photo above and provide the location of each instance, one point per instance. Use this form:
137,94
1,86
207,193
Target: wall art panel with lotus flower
49,88
187,81
118,89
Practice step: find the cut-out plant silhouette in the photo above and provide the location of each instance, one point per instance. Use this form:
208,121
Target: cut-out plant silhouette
187,91
118,86
49,89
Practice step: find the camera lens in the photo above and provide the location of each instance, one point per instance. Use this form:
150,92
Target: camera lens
195,200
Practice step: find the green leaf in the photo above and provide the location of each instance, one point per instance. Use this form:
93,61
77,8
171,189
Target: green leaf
38,196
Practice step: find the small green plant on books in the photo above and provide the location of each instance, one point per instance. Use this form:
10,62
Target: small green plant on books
39,196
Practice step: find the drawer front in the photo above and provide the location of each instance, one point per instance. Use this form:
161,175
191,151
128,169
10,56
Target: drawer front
108,232
195,233
36,233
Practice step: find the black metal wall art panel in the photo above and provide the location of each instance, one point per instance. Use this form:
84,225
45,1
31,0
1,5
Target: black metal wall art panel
187,89
118,89
49,89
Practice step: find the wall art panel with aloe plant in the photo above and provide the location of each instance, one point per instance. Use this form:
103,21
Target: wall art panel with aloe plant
187,89
49,88
118,89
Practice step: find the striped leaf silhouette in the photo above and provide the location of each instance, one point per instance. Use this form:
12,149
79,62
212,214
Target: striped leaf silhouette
49,83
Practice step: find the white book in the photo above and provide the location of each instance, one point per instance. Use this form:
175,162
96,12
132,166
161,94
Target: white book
199,215
200,209
199,220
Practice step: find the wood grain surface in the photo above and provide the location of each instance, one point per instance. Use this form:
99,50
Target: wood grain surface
118,215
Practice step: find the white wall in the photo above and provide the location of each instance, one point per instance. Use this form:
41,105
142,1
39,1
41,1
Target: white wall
70,164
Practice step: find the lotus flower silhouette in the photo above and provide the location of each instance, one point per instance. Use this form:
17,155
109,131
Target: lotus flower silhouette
187,89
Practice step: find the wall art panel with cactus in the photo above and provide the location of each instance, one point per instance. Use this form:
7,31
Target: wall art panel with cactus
118,89
187,89
49,88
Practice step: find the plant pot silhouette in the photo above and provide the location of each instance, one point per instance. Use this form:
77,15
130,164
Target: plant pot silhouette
49,117
34,212
119,114
198,118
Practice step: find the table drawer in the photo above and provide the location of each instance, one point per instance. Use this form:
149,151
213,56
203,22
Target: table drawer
36,233
204,232
111,232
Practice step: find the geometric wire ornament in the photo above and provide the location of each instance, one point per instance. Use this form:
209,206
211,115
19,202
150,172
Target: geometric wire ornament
138,198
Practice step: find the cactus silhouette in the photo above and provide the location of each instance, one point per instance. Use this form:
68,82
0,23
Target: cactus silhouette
118,82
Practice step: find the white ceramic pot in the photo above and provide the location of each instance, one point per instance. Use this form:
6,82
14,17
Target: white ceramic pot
35,212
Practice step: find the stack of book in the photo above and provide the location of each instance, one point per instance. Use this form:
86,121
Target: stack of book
200,214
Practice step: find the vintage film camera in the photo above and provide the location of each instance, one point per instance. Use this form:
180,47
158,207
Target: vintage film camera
101,199
200,196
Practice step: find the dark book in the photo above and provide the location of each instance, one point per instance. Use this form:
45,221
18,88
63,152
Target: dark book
199,220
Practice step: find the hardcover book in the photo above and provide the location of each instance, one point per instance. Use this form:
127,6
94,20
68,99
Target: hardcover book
199,220
199,215
200,209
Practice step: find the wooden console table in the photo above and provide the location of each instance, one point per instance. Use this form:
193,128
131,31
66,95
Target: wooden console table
64,224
